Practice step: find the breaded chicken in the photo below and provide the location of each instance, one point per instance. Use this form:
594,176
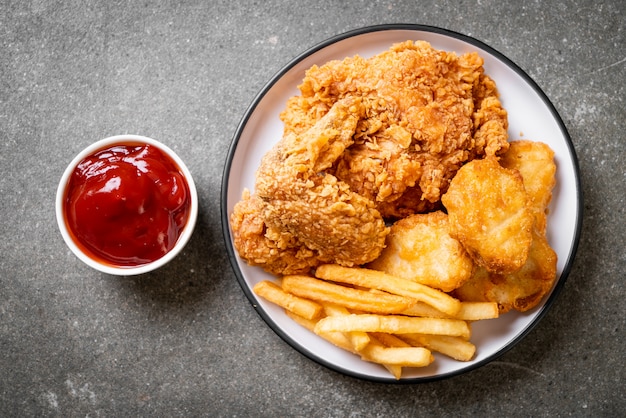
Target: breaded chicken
276,252
525,288
420,248
535,162
310,213
521,290
366,141
489,213
427,112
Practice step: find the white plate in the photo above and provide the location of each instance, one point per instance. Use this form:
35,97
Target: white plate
530,112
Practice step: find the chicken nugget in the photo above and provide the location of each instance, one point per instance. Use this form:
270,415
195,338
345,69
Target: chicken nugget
521,290
489,213
535,162
419,248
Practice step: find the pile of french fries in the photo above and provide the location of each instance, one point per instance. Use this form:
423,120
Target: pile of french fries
384,319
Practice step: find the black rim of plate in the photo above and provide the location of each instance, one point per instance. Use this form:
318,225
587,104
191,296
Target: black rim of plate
233,147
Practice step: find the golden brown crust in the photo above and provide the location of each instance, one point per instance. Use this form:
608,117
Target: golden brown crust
276,252
426,113
490,215
419,248
321,211
521,290
535,162
366,140
301,210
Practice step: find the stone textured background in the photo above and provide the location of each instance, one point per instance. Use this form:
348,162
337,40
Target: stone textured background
185,341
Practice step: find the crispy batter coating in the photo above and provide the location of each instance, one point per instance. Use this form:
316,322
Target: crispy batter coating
535,162
521,290
427,112
306,210
276,252
525,288
490,215
367,140
420,248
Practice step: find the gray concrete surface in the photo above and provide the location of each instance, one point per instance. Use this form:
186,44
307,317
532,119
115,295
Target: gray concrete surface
184,341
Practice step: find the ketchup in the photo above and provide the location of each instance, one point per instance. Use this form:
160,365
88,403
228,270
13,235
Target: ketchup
126,205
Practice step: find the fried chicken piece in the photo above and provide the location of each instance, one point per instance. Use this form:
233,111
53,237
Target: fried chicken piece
521,290
427,113
525,288
419,248
535,162
367,139
303,210
489,213
278,253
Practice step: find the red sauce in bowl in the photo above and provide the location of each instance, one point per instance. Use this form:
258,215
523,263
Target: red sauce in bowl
126,205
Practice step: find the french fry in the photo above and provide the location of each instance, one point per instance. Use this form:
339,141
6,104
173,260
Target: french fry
359,339
306,323
382,281
389,340
322,291
454,347
395,370
342,340
470,311
393,324
397,356
273,293
424,310
336,338
383,319
474,311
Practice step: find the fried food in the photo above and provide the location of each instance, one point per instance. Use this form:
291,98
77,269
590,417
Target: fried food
397,356
275,294
323,291
420,248
427,113
535,162
358,339
300,215
396,285
469,311
395,186
320,211
367,140
521,290
259,245
391,341
454,347
393,324
489,213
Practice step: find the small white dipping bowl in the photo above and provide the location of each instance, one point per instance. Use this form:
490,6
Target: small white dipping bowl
125,270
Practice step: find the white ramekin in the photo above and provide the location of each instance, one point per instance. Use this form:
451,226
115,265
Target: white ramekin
144,268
